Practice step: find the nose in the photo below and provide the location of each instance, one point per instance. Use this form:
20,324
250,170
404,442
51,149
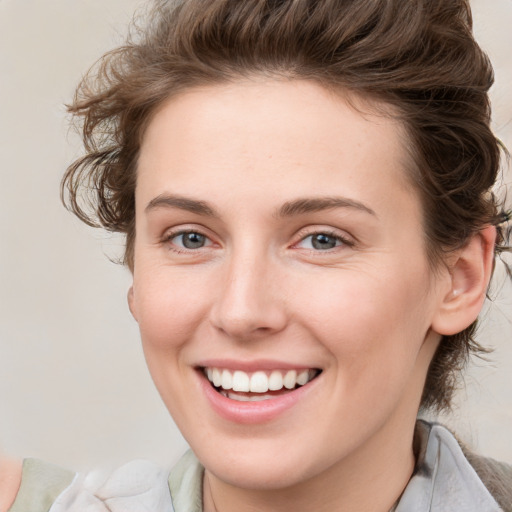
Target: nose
251,302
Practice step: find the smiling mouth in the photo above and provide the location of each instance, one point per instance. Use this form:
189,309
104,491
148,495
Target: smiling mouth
260,385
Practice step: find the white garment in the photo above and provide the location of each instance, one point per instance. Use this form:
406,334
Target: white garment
138,486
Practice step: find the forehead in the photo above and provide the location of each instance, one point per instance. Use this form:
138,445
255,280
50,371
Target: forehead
295,133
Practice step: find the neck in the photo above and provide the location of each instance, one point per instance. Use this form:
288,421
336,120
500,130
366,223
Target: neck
370,480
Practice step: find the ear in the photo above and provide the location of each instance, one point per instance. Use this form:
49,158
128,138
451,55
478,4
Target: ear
469,274
131,303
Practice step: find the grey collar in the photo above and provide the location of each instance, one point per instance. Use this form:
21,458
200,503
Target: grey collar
444,480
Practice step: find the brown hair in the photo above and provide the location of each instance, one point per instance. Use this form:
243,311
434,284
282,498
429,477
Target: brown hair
417,56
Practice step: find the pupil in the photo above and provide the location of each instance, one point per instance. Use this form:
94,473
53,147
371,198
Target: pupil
323,242
193,240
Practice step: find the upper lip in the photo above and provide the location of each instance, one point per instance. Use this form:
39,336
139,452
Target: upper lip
254,365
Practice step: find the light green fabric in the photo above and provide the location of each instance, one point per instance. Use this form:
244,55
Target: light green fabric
41,483
186,484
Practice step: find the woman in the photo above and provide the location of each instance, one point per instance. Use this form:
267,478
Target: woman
305,189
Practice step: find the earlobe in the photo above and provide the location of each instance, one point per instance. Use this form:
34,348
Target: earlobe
469,276
131,302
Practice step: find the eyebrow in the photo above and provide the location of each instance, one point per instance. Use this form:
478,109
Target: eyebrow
317,204
181,202
288,209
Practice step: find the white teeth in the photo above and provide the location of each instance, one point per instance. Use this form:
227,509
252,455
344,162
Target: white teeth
257,382
240,381
275,381
245,398
227,380
303,377
216,377
290,379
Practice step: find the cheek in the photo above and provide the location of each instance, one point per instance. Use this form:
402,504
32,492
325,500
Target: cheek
170,306
370,320
170,309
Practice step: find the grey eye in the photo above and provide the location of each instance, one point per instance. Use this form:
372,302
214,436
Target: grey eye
191,240
322,241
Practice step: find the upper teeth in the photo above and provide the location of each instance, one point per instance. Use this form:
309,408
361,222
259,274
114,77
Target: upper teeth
258,382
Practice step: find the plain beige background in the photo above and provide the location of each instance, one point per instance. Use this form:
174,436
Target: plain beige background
73,384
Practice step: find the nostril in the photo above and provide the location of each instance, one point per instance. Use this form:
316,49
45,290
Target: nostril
249,324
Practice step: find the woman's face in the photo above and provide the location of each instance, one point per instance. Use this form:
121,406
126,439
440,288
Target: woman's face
279,243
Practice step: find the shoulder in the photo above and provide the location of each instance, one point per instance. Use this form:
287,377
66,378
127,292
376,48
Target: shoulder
10,479
449,478
39,484
135,486
495,475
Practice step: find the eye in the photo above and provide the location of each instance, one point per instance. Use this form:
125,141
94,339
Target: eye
322,241
189,240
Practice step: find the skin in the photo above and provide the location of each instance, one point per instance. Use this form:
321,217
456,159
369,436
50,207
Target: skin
369,312
10,481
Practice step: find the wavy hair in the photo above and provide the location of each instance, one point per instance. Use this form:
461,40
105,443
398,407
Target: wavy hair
418,57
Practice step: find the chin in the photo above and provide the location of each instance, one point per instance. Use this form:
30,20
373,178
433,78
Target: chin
270,473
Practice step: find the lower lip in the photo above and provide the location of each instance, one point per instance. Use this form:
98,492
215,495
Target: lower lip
252,412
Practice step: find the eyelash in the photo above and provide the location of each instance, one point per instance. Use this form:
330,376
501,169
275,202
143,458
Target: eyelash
169,236
343,241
